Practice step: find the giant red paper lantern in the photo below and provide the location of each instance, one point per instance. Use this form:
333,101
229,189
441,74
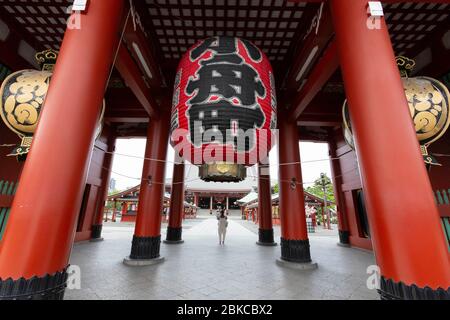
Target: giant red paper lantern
224,107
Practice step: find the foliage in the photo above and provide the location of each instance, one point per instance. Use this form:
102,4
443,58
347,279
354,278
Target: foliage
276,188
317,188
109,204
114,191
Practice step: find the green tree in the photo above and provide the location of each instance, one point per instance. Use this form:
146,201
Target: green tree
317,189
109,204
276,188
113,192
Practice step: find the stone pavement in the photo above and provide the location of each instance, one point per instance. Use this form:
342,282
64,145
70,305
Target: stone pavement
202,269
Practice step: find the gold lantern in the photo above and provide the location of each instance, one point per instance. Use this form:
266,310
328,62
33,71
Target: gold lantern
22,95
428,101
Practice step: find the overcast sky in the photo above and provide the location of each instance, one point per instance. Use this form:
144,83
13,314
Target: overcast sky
132,166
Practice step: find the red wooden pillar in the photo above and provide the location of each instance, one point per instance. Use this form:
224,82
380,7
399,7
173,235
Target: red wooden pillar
35,250
407,237
147,233
124,208
265,234
294,235
113,216
176,211
96,232
196,199
336,177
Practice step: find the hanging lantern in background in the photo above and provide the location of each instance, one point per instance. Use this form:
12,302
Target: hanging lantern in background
428,101
22,95
224,107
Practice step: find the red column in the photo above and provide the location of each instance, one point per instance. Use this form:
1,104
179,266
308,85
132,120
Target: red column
294,235
407,237
176,211
336,177
196,199
113,218
147,233
41,228
265,235
96,232
124,208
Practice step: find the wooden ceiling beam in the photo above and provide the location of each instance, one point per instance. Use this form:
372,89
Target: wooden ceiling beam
314,42
322,72
138,44
133,78
9,49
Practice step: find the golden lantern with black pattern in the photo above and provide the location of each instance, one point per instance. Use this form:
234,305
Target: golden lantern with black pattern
428,101
22,96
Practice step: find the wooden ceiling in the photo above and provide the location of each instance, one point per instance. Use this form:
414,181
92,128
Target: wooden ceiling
272,25
412,24
278,27
44,20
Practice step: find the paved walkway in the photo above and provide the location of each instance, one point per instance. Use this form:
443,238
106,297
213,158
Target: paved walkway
201,269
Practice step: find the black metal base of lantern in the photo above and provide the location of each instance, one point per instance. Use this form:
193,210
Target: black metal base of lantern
145,247
174,235
391,290
48,287
295,250
96,232
265,237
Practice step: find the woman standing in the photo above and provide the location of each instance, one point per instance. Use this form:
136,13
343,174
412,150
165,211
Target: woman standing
222,225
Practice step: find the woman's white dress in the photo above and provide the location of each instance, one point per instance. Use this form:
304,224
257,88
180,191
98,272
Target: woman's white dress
222,225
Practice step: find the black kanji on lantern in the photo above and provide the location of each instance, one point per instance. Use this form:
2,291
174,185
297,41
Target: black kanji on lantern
235,86
225,45
227,80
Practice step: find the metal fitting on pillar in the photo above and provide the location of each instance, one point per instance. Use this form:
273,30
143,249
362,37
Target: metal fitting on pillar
144,251
295,254
48,287
174,235
265,237
96,233
391,290
344,238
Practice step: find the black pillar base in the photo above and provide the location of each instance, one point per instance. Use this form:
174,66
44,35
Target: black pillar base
295,250
344,238
145,247
174,235
48,287
391,290
96,232
265,237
